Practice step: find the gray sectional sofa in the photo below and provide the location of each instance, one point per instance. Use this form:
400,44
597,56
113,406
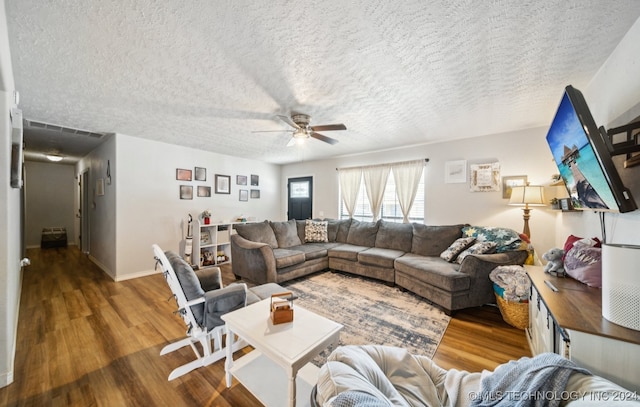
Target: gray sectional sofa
406,255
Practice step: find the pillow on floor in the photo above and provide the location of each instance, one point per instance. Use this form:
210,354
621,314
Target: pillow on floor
456,248
477,248
315,231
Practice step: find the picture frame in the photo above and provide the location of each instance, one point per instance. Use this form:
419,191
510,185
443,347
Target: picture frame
485,177
512,181
243,195
455,172
200,174
186,192
204,191
565,204
255,180
241,180
183,174
205,237
223,184
255,194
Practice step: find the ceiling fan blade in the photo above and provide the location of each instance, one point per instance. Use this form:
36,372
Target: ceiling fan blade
321,137
329,127
271,131
288,120
292,142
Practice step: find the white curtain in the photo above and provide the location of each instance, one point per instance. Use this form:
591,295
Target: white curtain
350,179
375,180
407,177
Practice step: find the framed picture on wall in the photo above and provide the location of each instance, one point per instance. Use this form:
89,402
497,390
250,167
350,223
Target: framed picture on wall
241,180
244,195
255,194
204,191
200,174
255,180
183,174
512,181
455,172
223,184
186,192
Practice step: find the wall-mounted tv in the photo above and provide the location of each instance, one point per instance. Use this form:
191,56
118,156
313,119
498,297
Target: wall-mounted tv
583,159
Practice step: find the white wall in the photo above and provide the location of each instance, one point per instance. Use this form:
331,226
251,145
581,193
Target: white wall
519,153
10,234
50,195
613,97
144,195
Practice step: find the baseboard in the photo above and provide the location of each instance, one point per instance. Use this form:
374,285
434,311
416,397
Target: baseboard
102,267
6,379
143,273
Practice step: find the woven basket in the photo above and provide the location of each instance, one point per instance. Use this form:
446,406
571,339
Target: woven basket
514,313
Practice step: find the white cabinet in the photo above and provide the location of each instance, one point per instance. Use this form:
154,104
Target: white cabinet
569,321
211,244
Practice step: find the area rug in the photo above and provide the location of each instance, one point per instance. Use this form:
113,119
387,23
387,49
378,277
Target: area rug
371,312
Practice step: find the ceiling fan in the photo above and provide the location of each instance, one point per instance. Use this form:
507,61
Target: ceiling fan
302,129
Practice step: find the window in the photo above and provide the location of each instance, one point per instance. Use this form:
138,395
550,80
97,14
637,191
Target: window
390,211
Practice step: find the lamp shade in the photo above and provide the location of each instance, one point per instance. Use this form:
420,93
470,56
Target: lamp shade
530,195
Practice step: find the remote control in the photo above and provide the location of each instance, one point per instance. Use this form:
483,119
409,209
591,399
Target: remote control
551,286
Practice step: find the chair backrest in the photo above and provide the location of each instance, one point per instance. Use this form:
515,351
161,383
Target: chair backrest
184,305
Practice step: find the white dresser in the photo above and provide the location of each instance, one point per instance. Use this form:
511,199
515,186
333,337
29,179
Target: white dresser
569,322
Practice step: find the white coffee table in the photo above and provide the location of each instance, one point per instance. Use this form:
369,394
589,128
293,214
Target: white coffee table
282,353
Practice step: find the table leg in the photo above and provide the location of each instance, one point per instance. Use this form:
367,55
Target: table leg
292,388
228,363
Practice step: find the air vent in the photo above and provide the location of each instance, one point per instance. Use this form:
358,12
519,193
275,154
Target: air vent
53,127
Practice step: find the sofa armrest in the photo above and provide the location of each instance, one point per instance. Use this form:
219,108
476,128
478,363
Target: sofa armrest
252,260
478,267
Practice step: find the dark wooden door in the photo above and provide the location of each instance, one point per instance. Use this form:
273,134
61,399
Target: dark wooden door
300,198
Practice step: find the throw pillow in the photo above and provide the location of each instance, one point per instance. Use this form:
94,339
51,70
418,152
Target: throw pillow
316,231
456,248
572,239
477,248
584,263
506,239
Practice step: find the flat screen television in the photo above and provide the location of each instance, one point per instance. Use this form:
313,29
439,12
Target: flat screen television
583,159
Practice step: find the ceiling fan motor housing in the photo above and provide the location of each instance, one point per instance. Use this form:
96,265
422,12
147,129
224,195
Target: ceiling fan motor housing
301,120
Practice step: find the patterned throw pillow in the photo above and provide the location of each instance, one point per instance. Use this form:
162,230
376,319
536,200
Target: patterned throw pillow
456,248
506,239
316,231
477,248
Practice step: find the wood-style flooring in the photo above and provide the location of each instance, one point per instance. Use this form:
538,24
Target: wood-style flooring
85,340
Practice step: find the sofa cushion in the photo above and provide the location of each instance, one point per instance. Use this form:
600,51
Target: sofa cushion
477,248
506,239
342,230
333,225
433,271
347,251
362,233
315,231
286,233
260,232
287,257
456,248
380,257
314,250
396,236
433,240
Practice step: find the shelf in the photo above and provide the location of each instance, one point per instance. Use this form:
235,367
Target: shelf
217,242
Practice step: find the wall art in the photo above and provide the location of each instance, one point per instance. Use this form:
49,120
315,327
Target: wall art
485,177
244,195
512,181
241,180
183,174
204,191
186,192
200,174
223,184
255,194
455,172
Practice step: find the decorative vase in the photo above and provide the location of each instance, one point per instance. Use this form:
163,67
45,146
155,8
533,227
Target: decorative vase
207,221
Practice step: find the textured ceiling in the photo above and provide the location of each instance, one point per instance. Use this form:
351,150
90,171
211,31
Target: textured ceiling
205,74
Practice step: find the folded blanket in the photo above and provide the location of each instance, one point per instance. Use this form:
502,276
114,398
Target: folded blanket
537,381
514,281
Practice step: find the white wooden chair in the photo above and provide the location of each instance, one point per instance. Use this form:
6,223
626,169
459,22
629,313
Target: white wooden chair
201,300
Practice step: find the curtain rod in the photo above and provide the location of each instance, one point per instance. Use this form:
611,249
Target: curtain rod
426,160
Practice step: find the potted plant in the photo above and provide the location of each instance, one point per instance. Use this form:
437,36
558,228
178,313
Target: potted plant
206,216
555,203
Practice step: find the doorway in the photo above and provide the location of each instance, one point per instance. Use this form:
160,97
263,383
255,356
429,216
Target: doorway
300,198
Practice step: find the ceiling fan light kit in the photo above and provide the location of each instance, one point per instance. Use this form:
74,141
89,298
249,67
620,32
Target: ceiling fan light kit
302,129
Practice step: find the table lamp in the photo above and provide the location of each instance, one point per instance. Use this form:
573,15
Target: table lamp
529,195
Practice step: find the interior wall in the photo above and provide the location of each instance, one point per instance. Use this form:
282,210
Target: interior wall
50,195
519,153
148,202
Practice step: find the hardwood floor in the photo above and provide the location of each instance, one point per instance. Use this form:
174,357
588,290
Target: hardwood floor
85,340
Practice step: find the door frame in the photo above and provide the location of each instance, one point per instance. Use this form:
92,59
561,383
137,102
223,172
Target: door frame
85,243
